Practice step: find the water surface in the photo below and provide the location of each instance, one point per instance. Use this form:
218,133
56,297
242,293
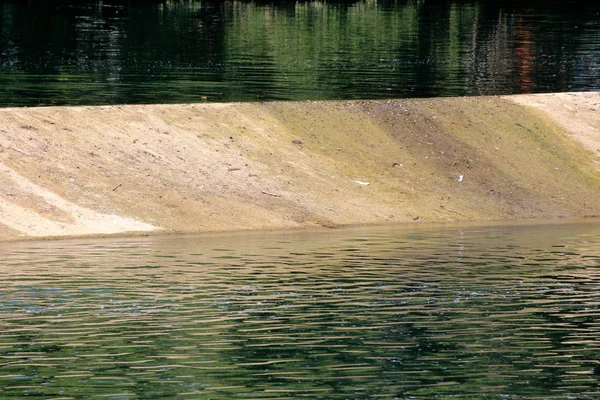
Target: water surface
481,312
55,52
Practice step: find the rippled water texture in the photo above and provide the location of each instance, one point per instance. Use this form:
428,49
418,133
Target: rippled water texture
110,52
487,312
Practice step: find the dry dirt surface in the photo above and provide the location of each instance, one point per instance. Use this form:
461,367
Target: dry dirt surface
114,170
578,112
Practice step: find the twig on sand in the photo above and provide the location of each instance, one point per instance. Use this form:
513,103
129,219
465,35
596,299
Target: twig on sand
271,194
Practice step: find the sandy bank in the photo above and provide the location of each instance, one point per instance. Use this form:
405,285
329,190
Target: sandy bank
220,167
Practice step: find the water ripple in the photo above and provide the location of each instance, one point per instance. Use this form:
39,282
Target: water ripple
497,312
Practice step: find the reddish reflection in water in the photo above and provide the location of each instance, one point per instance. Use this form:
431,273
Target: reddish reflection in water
525,52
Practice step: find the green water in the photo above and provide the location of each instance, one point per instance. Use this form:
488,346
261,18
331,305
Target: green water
55,52
362,313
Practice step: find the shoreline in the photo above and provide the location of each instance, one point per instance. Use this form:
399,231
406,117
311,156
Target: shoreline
437,226
113,171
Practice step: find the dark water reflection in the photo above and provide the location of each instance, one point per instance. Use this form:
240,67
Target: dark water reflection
493,312
107,52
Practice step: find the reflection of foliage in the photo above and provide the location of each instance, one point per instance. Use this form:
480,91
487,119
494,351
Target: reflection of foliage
178,51
339,341
320,47
470,314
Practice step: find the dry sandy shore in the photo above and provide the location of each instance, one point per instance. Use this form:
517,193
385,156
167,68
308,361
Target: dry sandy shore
70,171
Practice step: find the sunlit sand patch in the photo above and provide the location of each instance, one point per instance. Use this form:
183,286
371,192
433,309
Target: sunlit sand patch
85,220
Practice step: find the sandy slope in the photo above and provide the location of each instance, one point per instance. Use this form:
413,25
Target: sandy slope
219,167
578,112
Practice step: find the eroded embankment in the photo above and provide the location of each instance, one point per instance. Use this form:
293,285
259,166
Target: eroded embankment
218,167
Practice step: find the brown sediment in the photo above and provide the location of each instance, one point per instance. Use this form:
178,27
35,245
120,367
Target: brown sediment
70,171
